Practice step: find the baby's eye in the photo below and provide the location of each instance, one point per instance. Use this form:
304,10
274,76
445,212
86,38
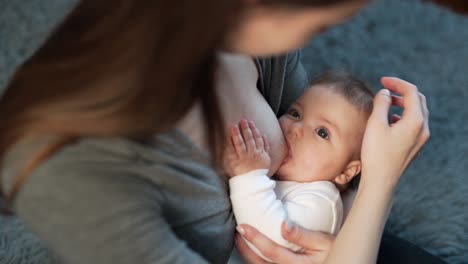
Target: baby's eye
322,132
294,113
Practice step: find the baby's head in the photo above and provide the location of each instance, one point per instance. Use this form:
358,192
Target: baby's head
324,129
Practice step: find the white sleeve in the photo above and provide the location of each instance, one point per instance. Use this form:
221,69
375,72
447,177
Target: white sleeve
254,202
315,212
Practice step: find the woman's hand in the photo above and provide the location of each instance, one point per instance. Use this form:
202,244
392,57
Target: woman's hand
246,149
316,245
387,149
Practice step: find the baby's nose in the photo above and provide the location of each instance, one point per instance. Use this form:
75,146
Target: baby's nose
296,130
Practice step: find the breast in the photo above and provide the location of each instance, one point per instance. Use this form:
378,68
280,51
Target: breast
239,97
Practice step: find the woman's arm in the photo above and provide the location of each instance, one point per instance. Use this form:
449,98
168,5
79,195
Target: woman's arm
386,152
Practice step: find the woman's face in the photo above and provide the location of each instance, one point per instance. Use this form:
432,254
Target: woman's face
266,31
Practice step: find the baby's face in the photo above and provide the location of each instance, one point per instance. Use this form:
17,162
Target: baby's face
324,133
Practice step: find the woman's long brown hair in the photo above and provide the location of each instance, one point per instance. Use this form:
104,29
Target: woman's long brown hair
120,68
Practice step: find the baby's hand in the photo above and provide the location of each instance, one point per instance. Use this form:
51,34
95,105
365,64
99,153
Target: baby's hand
246,149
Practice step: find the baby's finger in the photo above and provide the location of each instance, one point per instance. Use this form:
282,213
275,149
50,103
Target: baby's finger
237,140
256,135
229,149
265,143
247,134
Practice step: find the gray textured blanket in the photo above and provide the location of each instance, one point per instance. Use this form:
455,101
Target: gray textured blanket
405,38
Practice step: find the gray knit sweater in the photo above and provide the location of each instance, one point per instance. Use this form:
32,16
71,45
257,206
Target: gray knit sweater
114,200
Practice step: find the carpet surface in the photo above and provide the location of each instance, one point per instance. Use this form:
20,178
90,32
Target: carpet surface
418,42
24,26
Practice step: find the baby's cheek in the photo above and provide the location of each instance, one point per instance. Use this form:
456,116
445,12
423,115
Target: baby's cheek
333,167
317,165
311,166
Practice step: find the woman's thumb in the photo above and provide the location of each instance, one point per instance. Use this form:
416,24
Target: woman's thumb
307,239
382,103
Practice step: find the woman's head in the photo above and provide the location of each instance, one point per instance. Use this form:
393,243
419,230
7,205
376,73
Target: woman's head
134,68
271,27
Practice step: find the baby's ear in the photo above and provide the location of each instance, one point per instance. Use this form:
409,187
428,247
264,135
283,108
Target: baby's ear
352,169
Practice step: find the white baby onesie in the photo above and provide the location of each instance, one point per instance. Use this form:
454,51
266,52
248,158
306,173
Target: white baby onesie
315,206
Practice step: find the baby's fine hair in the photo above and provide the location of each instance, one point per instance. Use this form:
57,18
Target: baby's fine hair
356,91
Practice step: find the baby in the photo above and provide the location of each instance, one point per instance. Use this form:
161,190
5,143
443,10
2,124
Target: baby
323,129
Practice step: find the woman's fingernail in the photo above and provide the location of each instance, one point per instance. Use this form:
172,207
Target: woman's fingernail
241,230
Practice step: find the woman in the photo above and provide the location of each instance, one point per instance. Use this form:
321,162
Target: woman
112,132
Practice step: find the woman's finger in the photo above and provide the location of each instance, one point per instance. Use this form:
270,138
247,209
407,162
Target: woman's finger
425,133
247,135
247,254
266,246
410,95
382,102
309,240
256,135
424,105
425,111
397,100
237,140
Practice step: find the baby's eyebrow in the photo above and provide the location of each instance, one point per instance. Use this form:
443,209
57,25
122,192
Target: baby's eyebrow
298,104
